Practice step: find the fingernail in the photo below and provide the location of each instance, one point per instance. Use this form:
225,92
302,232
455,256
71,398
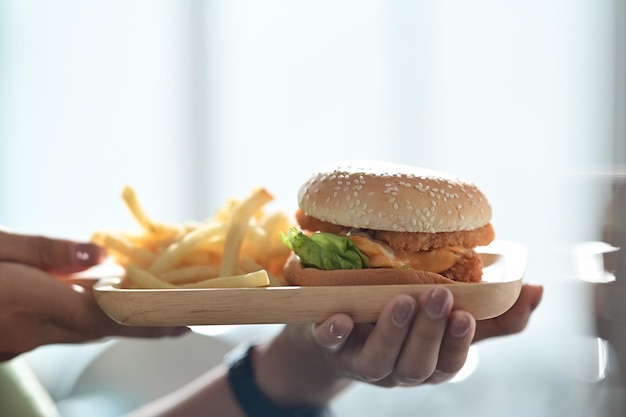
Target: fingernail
437,303
460,325
339,330
403,313
86,254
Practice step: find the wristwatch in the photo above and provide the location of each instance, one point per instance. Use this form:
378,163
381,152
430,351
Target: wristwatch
250,397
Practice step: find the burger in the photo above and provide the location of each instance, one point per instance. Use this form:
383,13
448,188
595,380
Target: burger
371,223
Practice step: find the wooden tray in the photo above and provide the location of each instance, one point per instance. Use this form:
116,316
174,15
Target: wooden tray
504,264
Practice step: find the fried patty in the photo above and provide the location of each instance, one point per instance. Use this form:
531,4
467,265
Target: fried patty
469,268
406,241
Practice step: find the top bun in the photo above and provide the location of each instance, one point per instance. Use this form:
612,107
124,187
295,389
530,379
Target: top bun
397,198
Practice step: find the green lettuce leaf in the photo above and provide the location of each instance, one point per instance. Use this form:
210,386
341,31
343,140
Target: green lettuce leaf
325,250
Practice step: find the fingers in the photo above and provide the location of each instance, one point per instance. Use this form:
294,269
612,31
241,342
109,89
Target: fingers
515,319
455,346
413,341
425,339
38,310
85,320
53,255
378,357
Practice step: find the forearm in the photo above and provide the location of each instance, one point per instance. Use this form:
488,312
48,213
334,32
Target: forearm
206,396
289,372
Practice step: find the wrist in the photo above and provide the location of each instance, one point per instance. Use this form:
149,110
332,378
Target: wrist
292,370
251,398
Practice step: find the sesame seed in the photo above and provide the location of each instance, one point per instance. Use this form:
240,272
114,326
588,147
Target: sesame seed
449,212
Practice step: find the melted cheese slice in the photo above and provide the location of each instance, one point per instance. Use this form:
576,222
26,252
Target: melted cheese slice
382,256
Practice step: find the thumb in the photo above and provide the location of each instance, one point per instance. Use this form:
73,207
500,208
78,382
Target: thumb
52,255
333,332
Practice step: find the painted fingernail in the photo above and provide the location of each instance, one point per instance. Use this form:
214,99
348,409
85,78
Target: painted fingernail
86,254
460,325
339,330
437,303
403,313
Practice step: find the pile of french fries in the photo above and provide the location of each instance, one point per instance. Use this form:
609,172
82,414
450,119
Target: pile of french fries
239,246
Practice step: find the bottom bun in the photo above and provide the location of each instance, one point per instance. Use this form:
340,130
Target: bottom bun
296,274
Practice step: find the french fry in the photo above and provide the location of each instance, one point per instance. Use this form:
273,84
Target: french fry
183,247
190,274
247,264
273,226
252,279
238,226
132,202
122,245
238,247
144,279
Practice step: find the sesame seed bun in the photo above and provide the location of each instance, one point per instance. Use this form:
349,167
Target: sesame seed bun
398,198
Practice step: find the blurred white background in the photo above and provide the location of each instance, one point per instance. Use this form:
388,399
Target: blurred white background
192,102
